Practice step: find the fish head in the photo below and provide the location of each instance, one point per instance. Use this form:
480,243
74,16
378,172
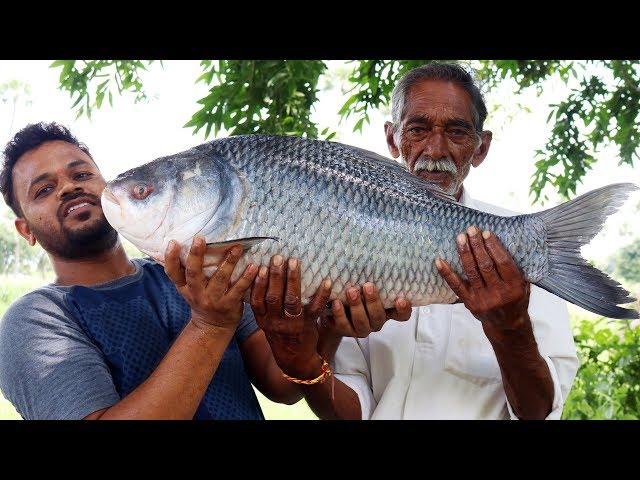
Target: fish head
171,198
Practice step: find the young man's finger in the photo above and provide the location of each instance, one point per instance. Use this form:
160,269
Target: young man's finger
237,290
219,281
194,275
172,266
259,291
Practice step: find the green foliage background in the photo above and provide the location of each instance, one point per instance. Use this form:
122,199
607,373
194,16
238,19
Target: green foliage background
278,96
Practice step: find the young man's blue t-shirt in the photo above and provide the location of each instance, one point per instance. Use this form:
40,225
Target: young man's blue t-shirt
66,352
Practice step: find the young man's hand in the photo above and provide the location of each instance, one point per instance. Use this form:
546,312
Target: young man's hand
215,301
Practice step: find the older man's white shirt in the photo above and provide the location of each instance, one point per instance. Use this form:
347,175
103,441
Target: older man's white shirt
439,364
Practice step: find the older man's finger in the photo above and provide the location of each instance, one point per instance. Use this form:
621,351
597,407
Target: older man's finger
374,307
357,312
468,261
275,290
172,266
319,300
504,262
401,311
452,279
292,296
339,322
485,263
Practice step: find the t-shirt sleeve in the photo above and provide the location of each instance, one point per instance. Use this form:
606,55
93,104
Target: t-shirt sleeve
247,324
49,369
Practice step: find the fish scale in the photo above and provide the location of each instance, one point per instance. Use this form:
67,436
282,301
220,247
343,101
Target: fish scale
363,226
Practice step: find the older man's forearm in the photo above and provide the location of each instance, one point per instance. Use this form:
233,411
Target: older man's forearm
525,374
332,400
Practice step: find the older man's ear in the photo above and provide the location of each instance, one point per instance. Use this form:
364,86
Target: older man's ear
482,150
391,142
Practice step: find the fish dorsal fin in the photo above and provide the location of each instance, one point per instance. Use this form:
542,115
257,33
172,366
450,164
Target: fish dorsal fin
216,250
432,187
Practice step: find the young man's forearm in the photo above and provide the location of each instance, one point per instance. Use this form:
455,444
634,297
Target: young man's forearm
176,387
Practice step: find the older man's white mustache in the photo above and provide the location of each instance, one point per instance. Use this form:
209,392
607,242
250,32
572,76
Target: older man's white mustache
443,165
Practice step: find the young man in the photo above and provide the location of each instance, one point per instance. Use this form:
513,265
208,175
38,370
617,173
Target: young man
113,337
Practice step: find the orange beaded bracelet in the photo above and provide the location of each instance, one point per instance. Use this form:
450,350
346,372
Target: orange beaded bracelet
326,372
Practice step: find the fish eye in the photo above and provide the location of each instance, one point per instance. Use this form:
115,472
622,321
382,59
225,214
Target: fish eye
141,191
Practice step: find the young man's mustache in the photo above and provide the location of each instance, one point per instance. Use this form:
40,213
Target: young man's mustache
74,196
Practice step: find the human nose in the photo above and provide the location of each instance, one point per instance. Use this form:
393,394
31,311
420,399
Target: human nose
436,143
67,186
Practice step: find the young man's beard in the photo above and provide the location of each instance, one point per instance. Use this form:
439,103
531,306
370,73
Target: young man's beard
84,242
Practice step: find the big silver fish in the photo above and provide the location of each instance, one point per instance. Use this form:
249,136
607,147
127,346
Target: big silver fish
350,215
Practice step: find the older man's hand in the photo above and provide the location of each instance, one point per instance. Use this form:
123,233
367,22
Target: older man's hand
496,293
364,314
298,341
290,328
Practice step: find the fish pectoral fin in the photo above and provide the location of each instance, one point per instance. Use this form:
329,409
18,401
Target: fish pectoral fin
215,251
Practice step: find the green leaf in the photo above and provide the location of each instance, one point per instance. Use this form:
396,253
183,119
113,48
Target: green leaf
99,98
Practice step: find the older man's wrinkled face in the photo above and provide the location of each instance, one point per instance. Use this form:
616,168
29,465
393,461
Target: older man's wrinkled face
436,137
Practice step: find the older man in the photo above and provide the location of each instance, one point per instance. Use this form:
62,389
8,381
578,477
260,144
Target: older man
506,351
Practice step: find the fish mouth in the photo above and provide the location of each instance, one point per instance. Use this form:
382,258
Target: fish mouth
108,194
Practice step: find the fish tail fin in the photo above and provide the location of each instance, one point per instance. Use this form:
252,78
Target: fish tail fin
570,226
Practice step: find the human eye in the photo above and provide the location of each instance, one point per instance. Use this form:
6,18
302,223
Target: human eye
82,176
458,133
43,191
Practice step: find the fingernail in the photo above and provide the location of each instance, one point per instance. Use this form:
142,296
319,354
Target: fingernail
293,264
251,268
461,239
472,231
277,260
326,283
438,262
486,234
263,272
368,288
352,293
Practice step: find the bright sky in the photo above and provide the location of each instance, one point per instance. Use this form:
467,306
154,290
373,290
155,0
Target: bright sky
131,134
